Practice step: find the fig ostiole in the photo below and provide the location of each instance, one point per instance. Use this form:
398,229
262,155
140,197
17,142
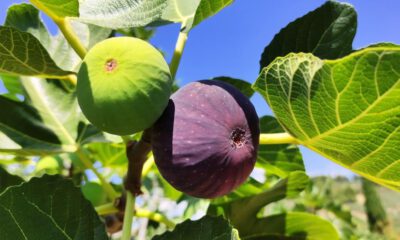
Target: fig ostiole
205,144
123,85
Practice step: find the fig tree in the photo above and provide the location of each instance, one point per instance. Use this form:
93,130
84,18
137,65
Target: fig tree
205,143
123,85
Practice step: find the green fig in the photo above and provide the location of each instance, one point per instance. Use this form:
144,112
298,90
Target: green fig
123,85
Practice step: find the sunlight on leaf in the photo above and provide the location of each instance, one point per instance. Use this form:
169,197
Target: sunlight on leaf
348,110
121,14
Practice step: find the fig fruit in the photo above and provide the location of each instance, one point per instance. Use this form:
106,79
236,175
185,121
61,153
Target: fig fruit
205,143
123,85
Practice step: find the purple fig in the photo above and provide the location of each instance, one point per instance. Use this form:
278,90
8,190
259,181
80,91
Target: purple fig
205,143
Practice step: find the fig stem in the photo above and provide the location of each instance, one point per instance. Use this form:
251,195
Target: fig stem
108,189
137,156
277,138
69,34
128,216
176,58
109,208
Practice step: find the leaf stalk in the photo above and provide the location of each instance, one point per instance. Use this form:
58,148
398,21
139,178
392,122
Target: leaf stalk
277,138
71,37
176,58
110,208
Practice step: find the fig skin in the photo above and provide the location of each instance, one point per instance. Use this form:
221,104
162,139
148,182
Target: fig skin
205,144
123,85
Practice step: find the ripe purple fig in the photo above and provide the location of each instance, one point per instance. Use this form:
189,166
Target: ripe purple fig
205,143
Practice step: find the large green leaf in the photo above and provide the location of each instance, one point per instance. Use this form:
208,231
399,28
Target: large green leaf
7,180
121,14
22,54
48,208
280,159
207,228
348,110
327,32
22,131
293,226
58,9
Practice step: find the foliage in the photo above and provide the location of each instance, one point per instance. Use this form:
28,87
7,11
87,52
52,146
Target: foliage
377,218
68,176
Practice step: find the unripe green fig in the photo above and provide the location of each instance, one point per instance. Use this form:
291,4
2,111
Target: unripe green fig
123,85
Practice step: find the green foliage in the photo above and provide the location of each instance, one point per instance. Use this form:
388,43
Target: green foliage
327,32
207,228
338,108
377,217
61,213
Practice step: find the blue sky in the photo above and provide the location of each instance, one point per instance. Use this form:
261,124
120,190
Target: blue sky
231,43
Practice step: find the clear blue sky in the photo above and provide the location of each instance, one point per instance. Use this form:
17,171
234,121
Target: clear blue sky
231,43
